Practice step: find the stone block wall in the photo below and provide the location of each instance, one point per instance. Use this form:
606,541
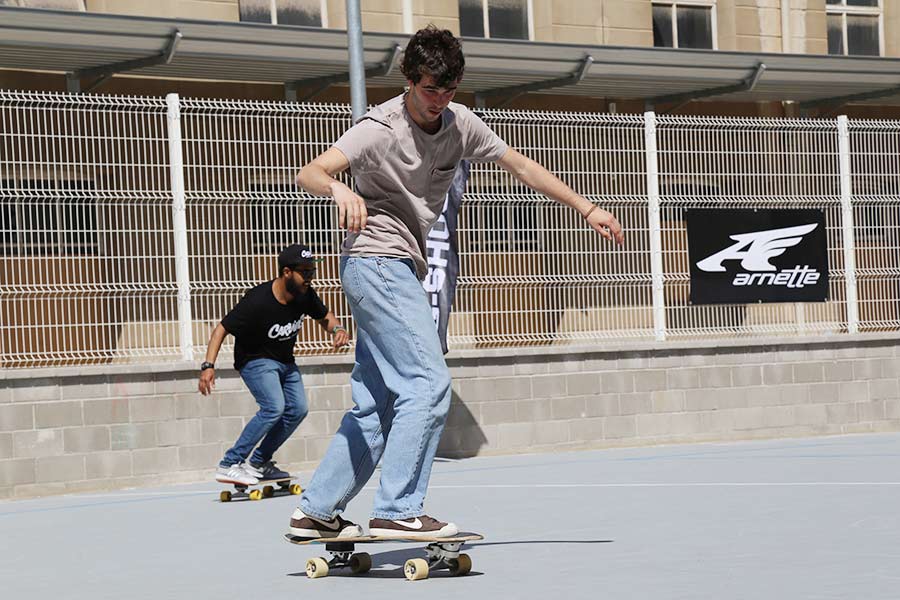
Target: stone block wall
79,429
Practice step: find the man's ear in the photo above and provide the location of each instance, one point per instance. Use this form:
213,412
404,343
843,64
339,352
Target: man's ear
285,271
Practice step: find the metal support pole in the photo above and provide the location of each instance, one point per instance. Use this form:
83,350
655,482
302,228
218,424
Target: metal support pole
847,225
656,263
357,65
179,226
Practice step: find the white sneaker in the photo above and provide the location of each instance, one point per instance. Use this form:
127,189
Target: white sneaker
235,474
252,471
267,470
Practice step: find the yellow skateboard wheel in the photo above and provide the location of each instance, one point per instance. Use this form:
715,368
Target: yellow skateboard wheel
461,566
225,496
256,495
316,567
360,563
415,569
295,489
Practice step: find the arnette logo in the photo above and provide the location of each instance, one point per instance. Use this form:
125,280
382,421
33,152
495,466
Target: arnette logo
756,249
285,331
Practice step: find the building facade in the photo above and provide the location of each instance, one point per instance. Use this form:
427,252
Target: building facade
869,28
850,27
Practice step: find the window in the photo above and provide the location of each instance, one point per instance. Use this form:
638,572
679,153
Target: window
307,13
47,218
276,222
505,227
47,4
855,27
684,25
502,19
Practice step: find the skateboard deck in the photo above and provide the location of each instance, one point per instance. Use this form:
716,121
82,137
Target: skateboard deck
441,553
265,489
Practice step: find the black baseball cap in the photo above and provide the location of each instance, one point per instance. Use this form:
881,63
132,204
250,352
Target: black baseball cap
295,255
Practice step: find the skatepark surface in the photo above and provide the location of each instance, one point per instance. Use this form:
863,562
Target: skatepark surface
793,519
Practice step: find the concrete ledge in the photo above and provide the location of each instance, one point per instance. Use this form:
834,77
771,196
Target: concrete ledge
600,347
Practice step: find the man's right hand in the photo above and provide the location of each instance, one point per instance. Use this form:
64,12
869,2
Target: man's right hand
352,213
207,381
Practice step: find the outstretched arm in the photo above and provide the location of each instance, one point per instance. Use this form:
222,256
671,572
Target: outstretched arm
317,178
541,180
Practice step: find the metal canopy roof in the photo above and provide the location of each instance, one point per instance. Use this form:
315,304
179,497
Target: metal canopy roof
58,41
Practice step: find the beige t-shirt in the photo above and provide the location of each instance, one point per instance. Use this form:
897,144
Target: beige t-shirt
404,173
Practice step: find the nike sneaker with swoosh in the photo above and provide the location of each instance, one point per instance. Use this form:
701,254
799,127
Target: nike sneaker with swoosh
423,526
303,525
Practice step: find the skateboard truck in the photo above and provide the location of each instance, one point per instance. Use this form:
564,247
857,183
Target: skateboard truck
342,555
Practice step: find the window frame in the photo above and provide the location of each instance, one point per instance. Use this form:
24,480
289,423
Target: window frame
529,15
273,13
81,6
56,192
845,10
673,7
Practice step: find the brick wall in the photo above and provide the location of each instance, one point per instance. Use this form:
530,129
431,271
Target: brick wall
66,430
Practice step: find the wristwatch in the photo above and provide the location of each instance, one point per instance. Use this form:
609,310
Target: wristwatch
337,328
206,365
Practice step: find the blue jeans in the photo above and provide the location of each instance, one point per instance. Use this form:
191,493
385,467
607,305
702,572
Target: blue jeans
401,393
278,389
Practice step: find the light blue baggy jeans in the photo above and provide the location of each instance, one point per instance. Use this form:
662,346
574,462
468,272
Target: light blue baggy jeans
401,392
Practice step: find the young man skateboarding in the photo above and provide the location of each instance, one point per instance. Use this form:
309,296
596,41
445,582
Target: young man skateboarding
402,155
265,324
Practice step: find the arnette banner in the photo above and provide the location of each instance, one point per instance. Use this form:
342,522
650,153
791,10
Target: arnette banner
765,255
442,255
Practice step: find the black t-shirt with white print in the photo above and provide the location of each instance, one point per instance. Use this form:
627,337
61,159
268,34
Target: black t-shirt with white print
263,327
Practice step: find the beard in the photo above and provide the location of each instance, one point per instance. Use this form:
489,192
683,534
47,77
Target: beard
293,288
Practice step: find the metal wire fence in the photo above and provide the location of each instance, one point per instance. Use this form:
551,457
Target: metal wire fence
131,225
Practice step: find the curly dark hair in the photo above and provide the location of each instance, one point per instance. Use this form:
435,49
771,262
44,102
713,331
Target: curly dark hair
435,52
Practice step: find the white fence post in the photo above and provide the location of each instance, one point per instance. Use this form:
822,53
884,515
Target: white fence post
179,225
847,225
656,263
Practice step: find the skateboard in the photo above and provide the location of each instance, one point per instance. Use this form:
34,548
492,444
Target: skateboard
267,491
441,553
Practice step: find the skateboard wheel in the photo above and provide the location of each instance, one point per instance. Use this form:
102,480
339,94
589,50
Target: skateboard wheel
256,495
296,490
316,567
268,491
461,565
225,496
360,563
415,569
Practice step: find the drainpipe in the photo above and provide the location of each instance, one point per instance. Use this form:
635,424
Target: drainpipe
785,26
